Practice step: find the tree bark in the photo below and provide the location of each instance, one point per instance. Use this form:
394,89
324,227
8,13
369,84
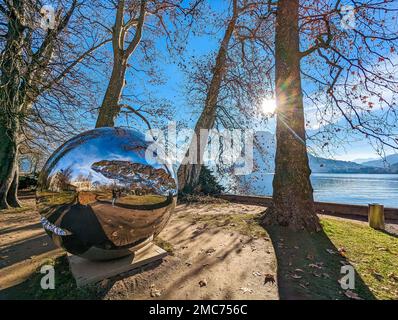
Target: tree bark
12,195
293,203
110,105
11,97
8,169
189,171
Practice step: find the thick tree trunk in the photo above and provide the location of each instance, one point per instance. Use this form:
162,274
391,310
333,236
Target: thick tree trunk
189,171
110,105
11,97
293,203
8,169
12,195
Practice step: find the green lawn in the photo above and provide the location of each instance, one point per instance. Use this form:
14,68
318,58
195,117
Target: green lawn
374,254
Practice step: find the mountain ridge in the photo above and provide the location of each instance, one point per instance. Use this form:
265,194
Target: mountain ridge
264,151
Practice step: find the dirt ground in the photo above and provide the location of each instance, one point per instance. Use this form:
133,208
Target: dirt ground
207,261
216,251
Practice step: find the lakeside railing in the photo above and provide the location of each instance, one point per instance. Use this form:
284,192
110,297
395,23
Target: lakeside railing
329,208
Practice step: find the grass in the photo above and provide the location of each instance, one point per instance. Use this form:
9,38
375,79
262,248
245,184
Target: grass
135,200
374,254
165,245
309,265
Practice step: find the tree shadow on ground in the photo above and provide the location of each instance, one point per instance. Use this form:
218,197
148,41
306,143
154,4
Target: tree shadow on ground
309,267
65,286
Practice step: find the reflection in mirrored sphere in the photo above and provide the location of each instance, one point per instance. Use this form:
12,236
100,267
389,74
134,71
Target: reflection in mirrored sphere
99,197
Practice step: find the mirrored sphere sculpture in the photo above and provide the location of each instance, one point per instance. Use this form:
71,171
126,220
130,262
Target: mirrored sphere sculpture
100,198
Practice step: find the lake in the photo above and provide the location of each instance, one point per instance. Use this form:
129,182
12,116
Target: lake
347,188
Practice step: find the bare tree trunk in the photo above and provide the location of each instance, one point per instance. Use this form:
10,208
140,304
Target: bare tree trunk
293,203
188,172
11,99
8,168
110,105
12,195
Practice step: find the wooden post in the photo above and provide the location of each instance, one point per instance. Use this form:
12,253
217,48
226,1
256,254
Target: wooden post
376,216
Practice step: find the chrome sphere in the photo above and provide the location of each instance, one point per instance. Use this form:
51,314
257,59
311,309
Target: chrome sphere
100,198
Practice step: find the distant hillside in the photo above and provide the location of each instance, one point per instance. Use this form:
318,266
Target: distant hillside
264,152
322,165
383,163
394,168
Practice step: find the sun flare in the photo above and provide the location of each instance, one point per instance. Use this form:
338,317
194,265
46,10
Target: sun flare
268,105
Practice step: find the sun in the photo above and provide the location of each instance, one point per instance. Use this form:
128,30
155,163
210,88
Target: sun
268,106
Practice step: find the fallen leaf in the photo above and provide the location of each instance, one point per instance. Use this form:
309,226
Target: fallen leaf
246,290
210,251
155,293
377,276
342,251
310,256
203,283
269,278
330,251
304,285
352,295
393,277
315,265
296,276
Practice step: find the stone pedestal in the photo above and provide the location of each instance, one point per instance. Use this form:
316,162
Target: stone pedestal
88,272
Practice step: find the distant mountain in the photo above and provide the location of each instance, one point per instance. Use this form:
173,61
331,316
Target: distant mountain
322,165
394,168
362,160
383,163
258,182
264,152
